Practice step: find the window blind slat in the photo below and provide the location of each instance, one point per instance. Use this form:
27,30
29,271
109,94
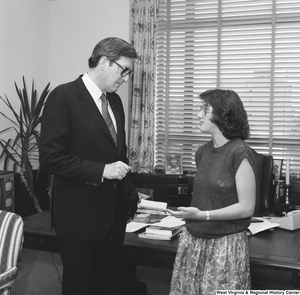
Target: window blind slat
252,47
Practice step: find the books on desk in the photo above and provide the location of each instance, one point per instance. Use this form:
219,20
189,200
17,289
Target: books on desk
161,233
167,229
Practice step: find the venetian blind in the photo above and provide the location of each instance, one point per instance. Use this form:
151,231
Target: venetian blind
252,47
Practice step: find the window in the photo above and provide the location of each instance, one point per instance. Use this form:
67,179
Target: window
252,47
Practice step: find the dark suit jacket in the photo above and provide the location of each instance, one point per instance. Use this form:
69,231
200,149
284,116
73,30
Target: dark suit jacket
75,146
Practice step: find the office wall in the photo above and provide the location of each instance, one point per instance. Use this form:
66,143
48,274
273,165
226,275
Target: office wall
24,47
51,40
76,27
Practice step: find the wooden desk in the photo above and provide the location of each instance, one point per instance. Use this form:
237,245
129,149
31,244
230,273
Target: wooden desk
274,255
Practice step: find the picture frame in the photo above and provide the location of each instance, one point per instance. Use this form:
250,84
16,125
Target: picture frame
277,167
173,163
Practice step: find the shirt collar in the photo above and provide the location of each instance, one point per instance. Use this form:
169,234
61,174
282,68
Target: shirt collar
92,88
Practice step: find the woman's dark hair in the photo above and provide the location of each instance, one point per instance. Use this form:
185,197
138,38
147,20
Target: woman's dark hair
228,113
113,48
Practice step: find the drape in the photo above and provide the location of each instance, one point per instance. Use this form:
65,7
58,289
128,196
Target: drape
142,107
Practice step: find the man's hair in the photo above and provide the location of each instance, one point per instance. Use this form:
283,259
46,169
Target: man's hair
228,113
113,48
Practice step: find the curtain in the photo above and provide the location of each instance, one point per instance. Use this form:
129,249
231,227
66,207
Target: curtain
142,107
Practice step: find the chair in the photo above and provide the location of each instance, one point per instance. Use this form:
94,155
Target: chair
11,242
264,185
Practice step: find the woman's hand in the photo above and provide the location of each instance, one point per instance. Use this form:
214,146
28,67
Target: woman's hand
187,213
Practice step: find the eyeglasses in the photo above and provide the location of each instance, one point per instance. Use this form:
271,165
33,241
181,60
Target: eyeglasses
125,71
205,109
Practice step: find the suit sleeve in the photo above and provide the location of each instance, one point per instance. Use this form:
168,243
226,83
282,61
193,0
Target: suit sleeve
56,156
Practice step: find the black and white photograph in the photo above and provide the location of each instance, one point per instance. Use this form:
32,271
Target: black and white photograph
173,163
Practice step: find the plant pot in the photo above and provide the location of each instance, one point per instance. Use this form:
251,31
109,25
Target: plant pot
24,205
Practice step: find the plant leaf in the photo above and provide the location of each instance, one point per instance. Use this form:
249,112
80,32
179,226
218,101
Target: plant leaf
23,148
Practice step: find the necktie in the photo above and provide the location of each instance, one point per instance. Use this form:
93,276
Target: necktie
108,119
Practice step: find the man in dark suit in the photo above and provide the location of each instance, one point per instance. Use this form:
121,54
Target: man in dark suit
92,193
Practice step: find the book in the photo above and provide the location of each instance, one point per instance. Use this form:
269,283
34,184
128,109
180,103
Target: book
141,221
141,218
145,235
163,231
152,212
152,207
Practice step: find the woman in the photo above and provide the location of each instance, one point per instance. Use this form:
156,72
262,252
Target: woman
213,251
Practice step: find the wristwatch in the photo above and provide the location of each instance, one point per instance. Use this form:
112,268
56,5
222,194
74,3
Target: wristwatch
207,215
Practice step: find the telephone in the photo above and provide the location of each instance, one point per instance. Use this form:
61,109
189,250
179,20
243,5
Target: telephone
290,221
293,212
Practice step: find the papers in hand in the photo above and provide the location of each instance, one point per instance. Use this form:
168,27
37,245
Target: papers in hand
259,224
152,207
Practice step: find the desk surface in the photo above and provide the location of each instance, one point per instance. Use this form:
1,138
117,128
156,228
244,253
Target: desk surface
276,248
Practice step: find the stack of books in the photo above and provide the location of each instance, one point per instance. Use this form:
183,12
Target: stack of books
161,233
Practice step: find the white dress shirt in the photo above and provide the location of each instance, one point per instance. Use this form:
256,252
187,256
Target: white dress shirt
96,93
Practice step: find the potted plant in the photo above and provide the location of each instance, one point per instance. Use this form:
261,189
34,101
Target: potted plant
22,150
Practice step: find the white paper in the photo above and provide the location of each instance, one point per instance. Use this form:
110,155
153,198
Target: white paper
256,227
170,221
135,226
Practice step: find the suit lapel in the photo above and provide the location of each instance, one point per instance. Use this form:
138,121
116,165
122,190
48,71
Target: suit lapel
90,107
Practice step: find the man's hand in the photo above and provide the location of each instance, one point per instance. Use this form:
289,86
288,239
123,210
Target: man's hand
116,170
